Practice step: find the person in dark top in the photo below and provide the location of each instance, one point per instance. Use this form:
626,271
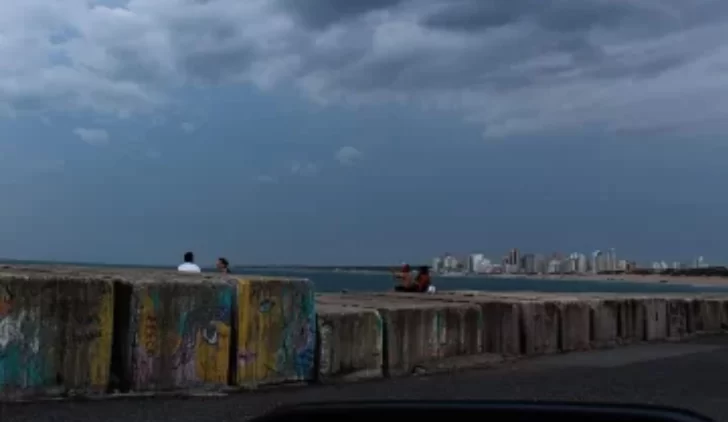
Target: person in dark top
421,285
223,266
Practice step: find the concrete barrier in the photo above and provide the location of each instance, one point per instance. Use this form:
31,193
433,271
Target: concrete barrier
178,331
71,330
500,314
419,335
276,331
55,334
350,342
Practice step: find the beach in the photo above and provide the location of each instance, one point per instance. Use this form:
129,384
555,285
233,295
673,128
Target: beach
708,281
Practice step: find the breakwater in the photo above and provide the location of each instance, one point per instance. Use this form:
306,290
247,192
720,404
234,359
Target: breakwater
68,331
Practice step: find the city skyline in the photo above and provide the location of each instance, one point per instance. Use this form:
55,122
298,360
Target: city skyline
515,262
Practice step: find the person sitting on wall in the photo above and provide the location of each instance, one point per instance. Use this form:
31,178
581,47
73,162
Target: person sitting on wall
404,276
223,265
189,265
422,283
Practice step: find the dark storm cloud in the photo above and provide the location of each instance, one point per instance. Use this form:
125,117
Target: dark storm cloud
321,13
559,16
557,62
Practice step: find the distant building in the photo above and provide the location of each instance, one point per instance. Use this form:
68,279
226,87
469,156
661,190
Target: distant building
436,264
541,264
582,264
554,267
623,265
514,257
450,263
528,263
478,263
597,261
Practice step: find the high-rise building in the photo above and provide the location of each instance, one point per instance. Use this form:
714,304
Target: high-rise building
436,264
514,257
528,263
582,264
597,261
474,262
541,264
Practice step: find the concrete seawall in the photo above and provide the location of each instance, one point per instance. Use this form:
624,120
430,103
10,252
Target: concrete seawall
68,331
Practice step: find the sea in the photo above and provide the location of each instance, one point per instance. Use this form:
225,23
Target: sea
337,281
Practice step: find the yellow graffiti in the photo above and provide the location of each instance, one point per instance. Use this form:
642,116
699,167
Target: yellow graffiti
100,348
212,360
259,330
148,335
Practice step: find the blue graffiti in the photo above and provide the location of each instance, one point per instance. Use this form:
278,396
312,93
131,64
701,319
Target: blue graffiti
266,306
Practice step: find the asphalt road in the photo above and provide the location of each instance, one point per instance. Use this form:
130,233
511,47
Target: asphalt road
689,375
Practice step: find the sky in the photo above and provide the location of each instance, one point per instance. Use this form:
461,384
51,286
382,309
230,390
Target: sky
361,132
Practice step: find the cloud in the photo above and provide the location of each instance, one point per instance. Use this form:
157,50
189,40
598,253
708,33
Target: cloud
96,137
153,154
304,169
346,156
188,127
515,67
263,178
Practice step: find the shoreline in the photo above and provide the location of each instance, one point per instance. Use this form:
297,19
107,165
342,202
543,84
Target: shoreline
697,281
707,281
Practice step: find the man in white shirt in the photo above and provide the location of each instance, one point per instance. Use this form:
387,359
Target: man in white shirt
189,265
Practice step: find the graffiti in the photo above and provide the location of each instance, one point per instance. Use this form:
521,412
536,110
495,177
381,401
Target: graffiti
10,329
266,305
6,300
149,330
21,360
191,351
210,335
143,366
246,357
299,334
325,363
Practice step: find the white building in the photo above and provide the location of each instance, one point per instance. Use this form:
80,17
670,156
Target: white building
554,267
597,259
479,264
450,263
437,264
582,264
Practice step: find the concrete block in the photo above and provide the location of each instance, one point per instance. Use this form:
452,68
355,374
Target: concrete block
350,342
419,333
724,313
179,332
655,318
276,326
707,315
501,315
574,325
632,320
605,322
540,325
55,334
464,333
679,318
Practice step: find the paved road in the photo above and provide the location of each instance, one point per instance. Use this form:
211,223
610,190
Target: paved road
690,375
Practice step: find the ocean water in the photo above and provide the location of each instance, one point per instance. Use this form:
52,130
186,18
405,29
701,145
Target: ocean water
327,281
330,281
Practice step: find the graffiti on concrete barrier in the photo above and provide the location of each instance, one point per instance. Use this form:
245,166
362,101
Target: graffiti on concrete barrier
326,330
6,301
277,334
22,361
190,351
54,332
